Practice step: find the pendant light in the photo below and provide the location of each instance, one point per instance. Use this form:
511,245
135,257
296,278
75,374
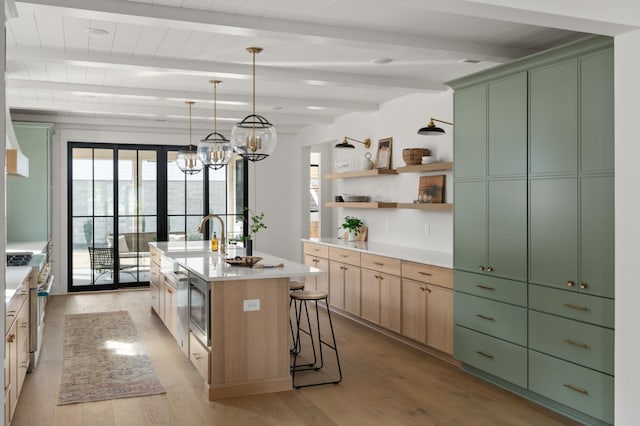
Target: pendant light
215,149
187,159
254,138
432,129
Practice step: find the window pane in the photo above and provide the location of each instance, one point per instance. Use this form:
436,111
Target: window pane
218,191
82,176
148,182
127,182
103,182
175,186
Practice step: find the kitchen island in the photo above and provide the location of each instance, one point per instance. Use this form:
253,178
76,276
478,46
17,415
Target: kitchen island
246,347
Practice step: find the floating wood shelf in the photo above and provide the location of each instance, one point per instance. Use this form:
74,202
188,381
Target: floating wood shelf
362,205
362,173
438,207
431,167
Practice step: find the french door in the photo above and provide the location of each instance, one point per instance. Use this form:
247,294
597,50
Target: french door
121,197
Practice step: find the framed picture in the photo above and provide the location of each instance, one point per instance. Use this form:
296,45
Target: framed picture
383,158
431,189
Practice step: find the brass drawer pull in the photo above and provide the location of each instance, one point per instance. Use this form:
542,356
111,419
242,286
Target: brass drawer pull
197,356
484,354
11,338
577,308
583,285
572,343
344,268
343,255
489,268
428,274
378,263
485,317
573,388
423,289
484,287
570,283
480,267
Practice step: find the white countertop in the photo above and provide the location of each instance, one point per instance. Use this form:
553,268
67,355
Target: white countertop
14,277
34,247
199,259
431,257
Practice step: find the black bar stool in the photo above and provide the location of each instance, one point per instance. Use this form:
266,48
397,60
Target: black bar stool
294,286
300,299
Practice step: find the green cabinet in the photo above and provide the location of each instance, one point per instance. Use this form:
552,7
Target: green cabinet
534,197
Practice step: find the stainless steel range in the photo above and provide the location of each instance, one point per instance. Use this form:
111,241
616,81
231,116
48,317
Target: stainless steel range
40,285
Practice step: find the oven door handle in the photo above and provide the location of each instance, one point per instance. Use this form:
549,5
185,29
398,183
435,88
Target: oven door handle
45,289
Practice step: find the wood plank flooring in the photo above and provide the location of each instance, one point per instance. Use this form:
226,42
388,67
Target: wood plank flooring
385,383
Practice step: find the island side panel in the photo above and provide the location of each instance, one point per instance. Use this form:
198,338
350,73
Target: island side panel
249,349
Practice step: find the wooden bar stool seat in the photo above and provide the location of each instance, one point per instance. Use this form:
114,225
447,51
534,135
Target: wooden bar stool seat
300,299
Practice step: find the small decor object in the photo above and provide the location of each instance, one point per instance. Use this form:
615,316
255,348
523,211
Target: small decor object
413,156
383,158
431,189
368,163
352,225
256,225
243,261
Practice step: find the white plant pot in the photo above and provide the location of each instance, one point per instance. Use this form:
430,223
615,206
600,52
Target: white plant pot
352,236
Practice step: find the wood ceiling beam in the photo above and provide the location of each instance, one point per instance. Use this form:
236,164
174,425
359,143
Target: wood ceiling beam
201,96
256,27
211,69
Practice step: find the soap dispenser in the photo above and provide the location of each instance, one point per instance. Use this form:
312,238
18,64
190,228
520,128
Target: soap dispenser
214,242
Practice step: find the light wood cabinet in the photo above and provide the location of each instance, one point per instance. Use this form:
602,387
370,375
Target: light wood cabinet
317,282
344,287
171,307
199,356
16,347
156,283
381,291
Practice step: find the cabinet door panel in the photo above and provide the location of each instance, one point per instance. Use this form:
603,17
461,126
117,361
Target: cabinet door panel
414,310
322,281
507,232
390,295
352,289
370,296
553,114
470,244
336,284
440,318
310,280
470,111
553,257
596,112
596,236
508,126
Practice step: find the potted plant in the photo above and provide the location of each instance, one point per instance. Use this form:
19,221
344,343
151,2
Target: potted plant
256,225
352,224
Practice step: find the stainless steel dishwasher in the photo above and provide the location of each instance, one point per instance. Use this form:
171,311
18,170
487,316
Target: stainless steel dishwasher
179,276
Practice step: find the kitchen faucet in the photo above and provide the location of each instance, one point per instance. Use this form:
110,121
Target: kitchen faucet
223,246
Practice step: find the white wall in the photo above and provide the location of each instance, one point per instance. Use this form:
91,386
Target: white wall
399,119
627,228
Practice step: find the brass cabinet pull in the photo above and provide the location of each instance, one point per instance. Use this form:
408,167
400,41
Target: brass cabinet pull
11,338
480,267
428,290
343,255
428,274
24,293
583,285
489,269
423,289
484,317
577,308
484,287
197,356
170,291
484,354
572,343
570,283
573,388
378,263
24,364
24,325
344,268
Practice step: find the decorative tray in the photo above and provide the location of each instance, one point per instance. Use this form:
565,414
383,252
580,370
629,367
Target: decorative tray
243,261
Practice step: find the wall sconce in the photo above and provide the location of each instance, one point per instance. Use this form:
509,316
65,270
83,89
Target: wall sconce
345,144
432,129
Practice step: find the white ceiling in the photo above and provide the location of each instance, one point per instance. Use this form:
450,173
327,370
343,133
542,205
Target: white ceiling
315,64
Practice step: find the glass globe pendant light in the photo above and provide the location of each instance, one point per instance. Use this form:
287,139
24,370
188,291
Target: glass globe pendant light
187,159
254,138
215,149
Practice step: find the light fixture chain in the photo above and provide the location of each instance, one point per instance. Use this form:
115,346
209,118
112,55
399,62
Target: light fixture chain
254,82
215,111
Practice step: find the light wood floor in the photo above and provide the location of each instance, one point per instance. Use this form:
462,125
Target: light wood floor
385,383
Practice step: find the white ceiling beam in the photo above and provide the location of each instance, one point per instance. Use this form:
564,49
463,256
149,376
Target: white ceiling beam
212,69
203,96
155,111
600,17
251,26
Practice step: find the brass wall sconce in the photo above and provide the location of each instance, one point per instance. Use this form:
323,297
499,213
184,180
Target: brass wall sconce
432,129
345,144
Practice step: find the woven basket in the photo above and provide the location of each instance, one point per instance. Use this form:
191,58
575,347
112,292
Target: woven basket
413,156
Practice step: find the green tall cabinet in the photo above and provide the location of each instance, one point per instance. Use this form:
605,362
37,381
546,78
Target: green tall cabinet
533,227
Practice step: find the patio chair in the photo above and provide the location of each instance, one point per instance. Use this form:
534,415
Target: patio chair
102,261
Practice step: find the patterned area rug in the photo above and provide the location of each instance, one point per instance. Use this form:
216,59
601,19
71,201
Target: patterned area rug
104,359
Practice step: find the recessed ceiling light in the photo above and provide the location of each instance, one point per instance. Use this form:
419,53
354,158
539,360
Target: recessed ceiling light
316,107
381,61
275,108
96,32
469,61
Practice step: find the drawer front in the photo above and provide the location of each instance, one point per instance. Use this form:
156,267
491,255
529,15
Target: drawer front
574,341
580,388
199,357
497,357
497,319
581,307
316,250
428,273
384,264
351,257
500,289
155,298
15,304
